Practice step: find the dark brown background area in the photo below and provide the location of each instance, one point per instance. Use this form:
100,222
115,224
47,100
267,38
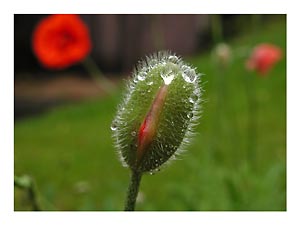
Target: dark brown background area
120,40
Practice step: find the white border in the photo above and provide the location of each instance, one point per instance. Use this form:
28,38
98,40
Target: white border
153,6
150,218
8,216
7,114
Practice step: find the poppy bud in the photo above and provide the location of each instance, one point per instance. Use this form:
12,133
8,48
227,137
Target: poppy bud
157,116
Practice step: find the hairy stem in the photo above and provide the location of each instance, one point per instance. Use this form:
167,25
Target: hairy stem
97,75
133,190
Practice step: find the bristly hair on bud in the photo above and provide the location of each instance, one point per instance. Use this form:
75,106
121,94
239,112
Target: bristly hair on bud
159,112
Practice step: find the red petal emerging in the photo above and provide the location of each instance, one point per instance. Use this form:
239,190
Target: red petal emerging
148,128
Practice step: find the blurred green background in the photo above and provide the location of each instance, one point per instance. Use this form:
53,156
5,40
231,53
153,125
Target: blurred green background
68,150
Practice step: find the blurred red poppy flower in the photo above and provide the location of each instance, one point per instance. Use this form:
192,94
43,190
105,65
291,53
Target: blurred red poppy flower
60,41
263,58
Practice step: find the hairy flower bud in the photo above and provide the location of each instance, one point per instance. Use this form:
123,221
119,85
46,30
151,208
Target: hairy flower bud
157,116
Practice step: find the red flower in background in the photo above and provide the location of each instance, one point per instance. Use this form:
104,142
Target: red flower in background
263,58
60,41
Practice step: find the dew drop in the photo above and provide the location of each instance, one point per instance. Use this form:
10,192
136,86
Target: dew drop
151,173
193,98
150,83
133,133
173,58
185,68
190,115
167,77
113,126
123,123
189,76
196,92
131,85
142,76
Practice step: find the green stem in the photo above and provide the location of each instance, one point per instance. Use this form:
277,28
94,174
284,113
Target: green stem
133,190
217,36
252,120
27,184
218,121
256,23
97,75
216,28
252,102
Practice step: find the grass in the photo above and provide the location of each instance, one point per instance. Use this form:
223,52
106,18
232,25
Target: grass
69,150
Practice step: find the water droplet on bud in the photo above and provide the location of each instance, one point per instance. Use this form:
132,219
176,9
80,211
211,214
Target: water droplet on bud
189,75
185,68
133,133
150,83
167,77
173,58
190,115
142,76
113,126
193,98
